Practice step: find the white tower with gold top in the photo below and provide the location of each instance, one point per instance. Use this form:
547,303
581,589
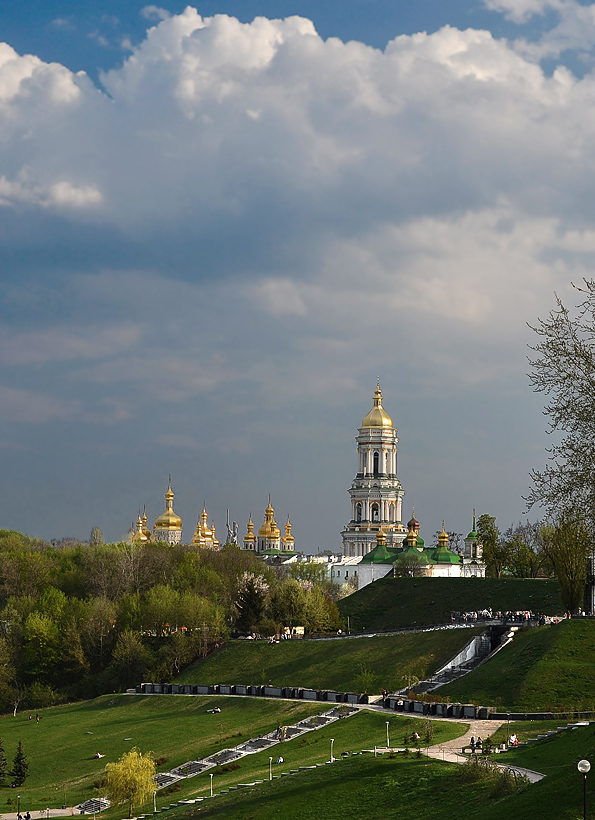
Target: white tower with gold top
168,526
376,493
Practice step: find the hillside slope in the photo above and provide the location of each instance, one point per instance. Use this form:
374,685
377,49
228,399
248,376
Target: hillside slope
346,664
392,603
548,668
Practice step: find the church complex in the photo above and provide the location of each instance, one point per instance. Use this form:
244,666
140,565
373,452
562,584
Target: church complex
376,542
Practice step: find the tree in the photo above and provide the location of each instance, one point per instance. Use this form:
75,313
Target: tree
20,767
495,551
563,369
131,779
96,538
3,763
527,556
568,549
409,565
251,603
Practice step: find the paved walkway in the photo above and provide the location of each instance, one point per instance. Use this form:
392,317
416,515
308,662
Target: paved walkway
70,811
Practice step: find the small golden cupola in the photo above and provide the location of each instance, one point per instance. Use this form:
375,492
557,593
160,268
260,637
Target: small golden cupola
288,540
204,536
250,538
145,519
377,417
168,526
443,537
138,534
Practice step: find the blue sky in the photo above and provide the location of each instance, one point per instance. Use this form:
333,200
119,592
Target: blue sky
217,231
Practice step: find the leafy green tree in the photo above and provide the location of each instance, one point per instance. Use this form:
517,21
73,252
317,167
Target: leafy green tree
496,552
3,763
20,767
41,644
131,659
252,603
568,548
130,779
527,557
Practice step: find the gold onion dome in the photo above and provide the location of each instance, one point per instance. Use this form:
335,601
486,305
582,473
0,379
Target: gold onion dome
413,523
443,537
168,520
250,533
377,417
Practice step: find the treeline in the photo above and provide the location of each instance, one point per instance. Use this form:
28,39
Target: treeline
78,620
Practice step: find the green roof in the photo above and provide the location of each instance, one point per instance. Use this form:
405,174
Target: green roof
442,555
473,535
381,555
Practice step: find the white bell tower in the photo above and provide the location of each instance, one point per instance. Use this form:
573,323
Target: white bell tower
376,493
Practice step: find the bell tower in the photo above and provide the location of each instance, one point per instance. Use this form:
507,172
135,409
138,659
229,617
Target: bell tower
376,493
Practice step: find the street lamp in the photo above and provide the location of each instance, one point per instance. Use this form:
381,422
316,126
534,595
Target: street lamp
508,730
332,743
387,737
19,805
48,812
211,784
270,768
584,768
155,802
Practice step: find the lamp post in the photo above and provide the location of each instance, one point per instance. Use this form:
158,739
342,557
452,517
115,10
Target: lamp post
584,768
332,743
19,805
48,812
387,737
155,802
211,784
270,768
507,730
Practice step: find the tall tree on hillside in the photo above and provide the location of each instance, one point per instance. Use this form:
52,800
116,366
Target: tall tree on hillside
568,548
20,767
3,763
495,551
563,369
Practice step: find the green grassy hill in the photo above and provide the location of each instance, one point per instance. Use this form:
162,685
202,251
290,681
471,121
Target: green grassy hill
348,664
384,788
61,747
548,668
392,603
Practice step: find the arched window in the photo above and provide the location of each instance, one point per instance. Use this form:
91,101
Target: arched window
391,513
358,512
375,513
376,460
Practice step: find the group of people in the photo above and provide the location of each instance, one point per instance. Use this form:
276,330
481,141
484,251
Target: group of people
476,744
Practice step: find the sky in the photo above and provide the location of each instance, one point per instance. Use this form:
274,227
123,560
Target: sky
220,224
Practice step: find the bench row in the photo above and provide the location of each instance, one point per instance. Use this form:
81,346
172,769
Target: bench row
327,696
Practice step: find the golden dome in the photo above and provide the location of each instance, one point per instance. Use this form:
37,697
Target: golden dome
250,533
288,537
443,537
168,520
269,529
377,417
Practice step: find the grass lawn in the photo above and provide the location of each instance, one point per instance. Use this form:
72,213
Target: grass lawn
550,668
362,731
416,789
391,603
349,664
60,748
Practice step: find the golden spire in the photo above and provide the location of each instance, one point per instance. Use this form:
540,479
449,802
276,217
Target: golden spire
250,537
288,539
443,537
377,417
168,520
